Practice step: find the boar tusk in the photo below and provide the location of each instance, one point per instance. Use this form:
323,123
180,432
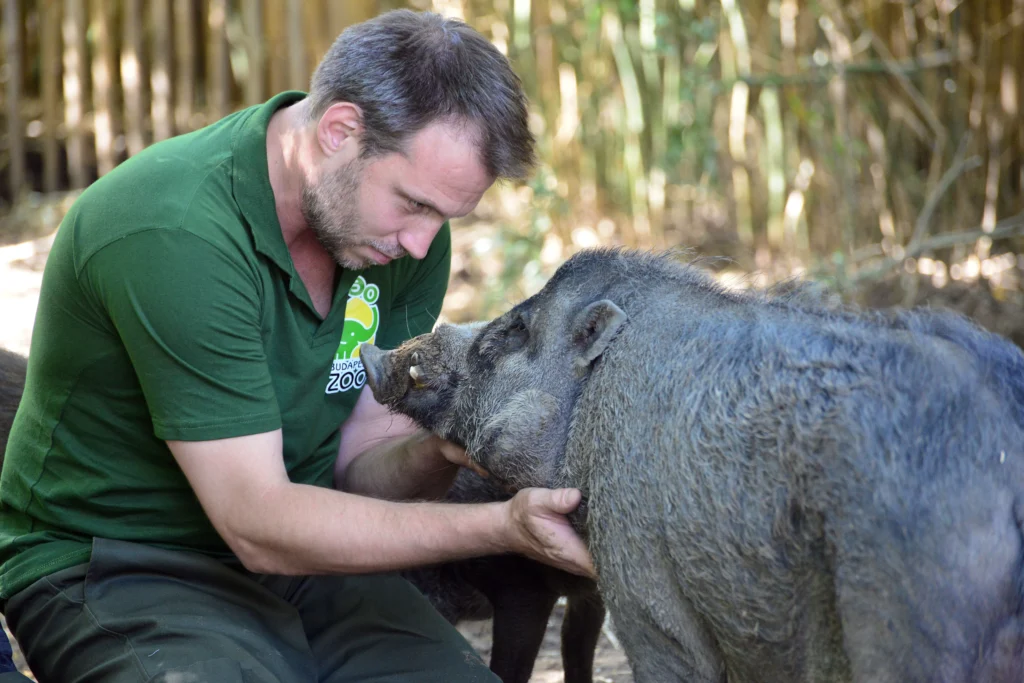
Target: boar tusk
415,372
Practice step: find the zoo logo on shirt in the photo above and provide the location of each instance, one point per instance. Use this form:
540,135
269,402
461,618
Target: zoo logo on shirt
361,320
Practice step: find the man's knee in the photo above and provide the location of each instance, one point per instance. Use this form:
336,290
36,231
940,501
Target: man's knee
131,621
382,629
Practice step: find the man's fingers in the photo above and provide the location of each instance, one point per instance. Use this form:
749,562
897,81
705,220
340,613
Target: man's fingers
457,455
548,535
582,563
562,501
569,499
476,468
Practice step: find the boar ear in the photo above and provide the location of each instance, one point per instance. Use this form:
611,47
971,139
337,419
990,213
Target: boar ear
594,328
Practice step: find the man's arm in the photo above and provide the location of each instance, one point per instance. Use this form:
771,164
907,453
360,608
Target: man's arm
387,456
278,527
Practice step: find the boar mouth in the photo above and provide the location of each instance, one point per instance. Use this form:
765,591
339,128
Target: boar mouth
383,376
412,384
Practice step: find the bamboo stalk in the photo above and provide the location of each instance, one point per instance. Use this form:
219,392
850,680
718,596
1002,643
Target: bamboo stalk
738,121
75,85
185,63
775,161
131,75
50,76
219,80
837,34
1013,94
521,24
296,48
15,129
254,80
160,71
103,86
627,73
274,21
314,19
545,63
338,18
795,237
632,150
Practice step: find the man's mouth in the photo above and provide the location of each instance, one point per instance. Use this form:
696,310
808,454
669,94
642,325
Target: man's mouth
384,256
379,257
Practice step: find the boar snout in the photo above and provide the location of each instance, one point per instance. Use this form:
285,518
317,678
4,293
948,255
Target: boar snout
390,374
416,379
387,380
373,363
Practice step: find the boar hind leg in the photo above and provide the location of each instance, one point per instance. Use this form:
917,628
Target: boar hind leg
581,628
941,601
520,620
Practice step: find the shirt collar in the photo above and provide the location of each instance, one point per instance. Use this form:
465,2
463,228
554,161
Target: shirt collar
251,179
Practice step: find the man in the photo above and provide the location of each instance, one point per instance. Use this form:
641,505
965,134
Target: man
166,505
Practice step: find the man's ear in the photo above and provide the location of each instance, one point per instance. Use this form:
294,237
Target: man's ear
593,330
341,124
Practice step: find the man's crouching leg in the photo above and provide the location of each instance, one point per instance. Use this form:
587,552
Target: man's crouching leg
136,613
379,629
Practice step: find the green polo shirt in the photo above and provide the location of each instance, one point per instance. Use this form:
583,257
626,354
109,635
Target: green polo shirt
170,309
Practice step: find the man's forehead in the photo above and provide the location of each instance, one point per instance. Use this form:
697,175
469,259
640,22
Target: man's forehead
445,143
441,167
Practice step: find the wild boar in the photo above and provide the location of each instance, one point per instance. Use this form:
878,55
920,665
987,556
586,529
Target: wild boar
776,488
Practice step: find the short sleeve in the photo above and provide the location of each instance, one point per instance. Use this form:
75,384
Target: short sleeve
419,293
189,315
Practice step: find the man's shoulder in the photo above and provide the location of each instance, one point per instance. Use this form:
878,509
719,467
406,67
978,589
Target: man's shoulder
183,183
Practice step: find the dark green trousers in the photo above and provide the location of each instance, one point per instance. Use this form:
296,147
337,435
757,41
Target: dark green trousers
136,613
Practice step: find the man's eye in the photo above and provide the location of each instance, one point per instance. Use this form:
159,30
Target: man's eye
416,206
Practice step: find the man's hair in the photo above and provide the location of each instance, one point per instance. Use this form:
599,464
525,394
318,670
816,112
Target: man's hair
406,70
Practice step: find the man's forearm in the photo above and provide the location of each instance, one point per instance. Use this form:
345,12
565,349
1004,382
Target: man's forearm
311,530
405,468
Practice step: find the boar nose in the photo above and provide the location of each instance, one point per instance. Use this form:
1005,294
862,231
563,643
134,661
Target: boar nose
373,363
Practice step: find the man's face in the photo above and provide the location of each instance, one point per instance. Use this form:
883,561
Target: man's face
369,211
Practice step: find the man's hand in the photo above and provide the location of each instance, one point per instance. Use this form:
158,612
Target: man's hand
454,454
539,530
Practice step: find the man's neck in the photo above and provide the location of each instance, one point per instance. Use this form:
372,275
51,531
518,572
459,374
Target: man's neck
288,158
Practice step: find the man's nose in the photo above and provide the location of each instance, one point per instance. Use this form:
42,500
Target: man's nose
416,240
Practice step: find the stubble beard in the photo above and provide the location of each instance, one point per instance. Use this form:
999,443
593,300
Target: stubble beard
331,210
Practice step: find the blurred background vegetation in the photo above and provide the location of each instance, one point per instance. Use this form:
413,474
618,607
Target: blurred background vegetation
876,144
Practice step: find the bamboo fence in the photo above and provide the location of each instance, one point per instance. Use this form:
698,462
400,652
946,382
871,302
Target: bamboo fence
847,132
